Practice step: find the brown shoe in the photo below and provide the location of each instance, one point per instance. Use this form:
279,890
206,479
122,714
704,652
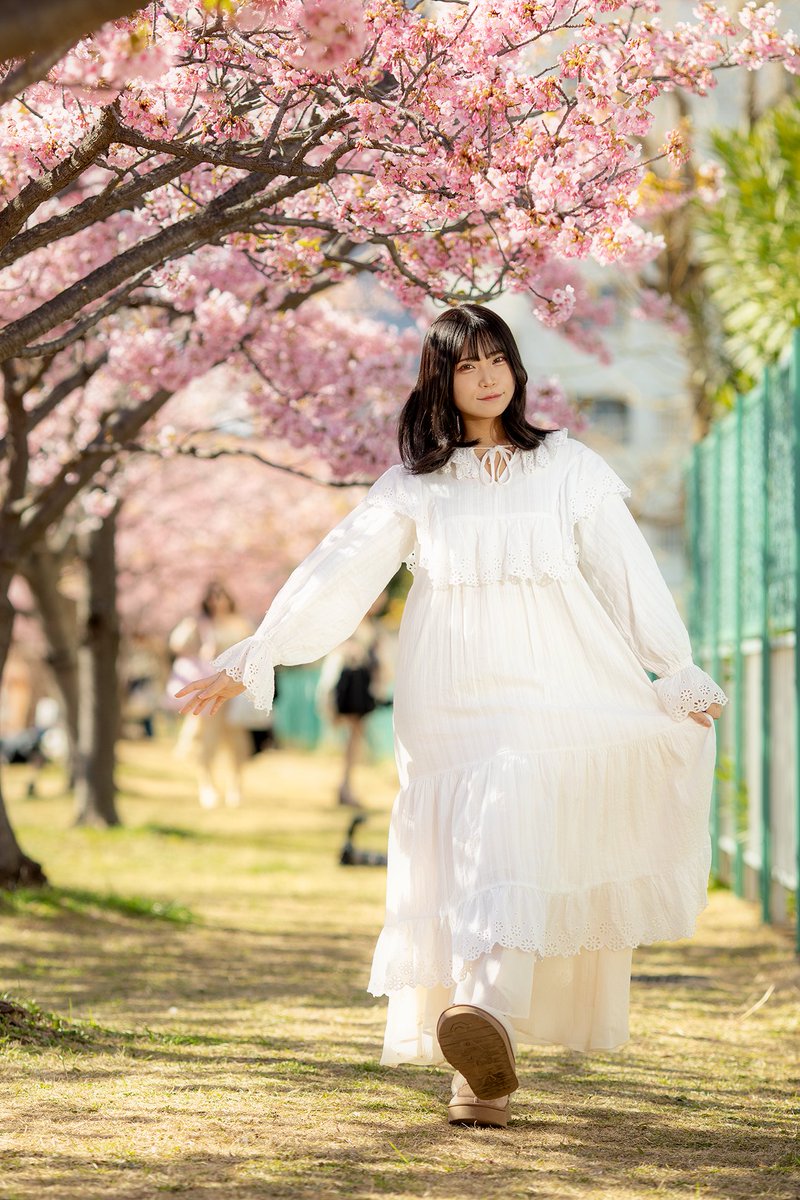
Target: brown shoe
477,1045
465,1108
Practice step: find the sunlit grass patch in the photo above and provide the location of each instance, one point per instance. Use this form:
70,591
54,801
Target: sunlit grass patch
53,900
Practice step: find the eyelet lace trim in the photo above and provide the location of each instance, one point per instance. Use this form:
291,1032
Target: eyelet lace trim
251,662
437,951
584,503
522,547
466,465
688,690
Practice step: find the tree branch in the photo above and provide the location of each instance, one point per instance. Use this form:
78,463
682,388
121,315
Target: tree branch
235,211
64,388
17,211
36,26
114,198
120,427
31,70
242,452
114,301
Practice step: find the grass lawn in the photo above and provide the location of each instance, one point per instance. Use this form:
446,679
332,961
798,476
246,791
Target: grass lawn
186,1013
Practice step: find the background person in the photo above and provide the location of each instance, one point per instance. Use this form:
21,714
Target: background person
350,687
218,747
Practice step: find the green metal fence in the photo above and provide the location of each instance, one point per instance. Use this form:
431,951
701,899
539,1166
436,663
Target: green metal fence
743,525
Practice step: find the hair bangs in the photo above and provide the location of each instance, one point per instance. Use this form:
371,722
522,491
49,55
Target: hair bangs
480,342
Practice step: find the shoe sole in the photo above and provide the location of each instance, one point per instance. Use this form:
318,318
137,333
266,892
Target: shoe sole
477,1114
477,1045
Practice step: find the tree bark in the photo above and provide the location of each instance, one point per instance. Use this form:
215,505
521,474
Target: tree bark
33,26
16,869
98,689
42,568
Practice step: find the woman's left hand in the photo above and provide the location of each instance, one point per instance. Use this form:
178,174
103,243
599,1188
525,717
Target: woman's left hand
704,716
213,690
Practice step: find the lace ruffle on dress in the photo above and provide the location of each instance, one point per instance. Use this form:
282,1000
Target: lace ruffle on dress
553,804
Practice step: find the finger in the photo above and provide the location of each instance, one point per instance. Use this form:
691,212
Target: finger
195,704
188,687
197,684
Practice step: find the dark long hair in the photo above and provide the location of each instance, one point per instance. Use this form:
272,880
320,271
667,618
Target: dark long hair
430,426
214,588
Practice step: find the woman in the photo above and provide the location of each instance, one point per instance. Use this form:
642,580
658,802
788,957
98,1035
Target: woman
219,748
553,804
346,691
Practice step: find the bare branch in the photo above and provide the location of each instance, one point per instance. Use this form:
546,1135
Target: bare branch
242,452
16,438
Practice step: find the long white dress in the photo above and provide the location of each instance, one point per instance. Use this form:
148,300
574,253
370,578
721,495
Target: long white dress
554,801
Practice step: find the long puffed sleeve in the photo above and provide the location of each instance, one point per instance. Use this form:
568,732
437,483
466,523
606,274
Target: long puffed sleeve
616,560
327,595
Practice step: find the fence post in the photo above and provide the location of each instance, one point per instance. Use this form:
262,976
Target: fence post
714,589
794,384
738,658
766,662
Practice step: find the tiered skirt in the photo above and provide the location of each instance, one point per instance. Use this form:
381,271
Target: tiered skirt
550,814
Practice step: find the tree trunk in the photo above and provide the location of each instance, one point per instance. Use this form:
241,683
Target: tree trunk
16,869
98,690
42,568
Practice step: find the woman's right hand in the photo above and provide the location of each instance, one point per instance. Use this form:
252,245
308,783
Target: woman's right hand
214,690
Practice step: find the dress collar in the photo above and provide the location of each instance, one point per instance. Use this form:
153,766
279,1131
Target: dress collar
467,464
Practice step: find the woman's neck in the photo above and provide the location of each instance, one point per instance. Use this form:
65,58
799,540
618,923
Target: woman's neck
487,433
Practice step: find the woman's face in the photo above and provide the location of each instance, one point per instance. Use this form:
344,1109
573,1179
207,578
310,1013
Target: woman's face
483,387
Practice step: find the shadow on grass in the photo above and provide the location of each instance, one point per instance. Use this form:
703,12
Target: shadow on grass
630,1150
175,831
53,901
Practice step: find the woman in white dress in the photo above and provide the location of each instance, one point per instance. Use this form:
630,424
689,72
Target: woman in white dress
554,801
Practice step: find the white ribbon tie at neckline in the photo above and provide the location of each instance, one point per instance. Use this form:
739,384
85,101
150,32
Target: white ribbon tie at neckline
492,475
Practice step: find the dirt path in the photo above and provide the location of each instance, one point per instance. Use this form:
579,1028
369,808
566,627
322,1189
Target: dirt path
216,1039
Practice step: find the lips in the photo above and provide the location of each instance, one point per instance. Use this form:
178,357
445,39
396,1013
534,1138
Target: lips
496,396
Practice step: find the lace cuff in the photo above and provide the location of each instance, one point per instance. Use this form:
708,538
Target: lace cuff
251,662
688,690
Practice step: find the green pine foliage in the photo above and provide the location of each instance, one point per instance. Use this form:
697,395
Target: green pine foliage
749,240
